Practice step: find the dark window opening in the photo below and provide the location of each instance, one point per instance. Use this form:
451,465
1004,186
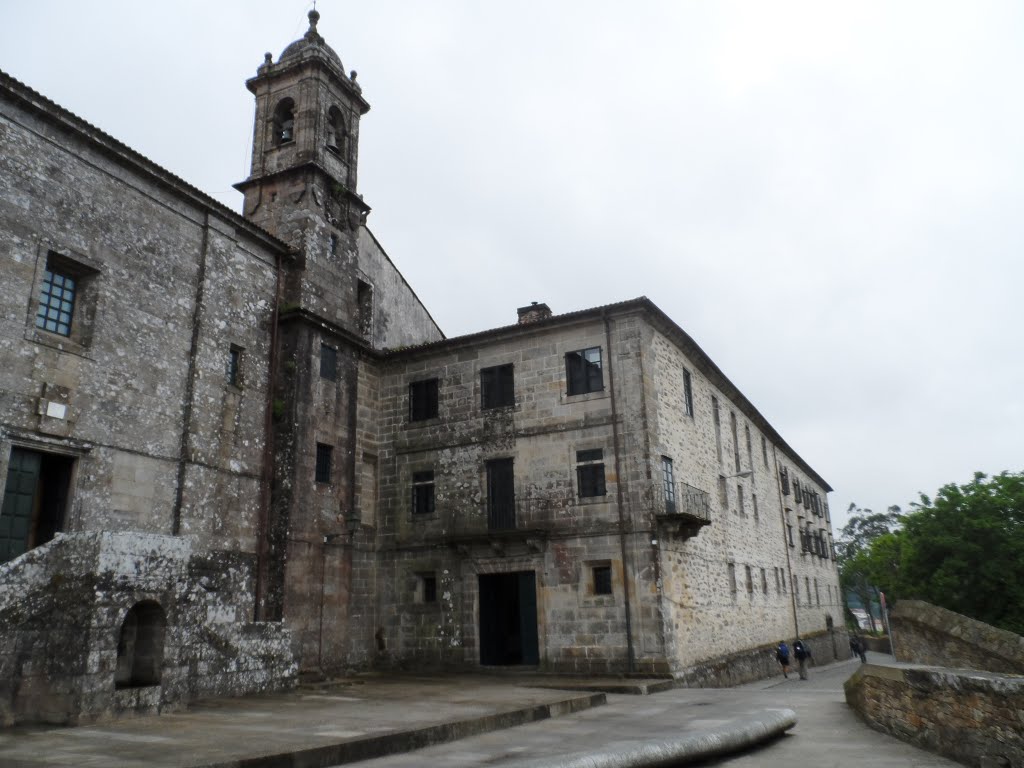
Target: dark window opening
235,366
140,646
284,122
784,477
687,393
496,386
590,472
328,362
428,582
423,400
602,579
735,439
35,500
323,462
501,497
583,371
423,492
716,415
337,133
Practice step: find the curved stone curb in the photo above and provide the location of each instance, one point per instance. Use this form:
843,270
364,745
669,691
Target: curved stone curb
737,736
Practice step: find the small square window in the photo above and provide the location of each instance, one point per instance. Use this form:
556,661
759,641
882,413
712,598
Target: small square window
234,372
602,579
323,462
496,386
328,363
423,400
583,371
423,492
590,473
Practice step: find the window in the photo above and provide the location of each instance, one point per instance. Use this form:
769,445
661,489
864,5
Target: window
807,586
735,439
790,529
234,373
496,390
333,245
784,478
590,473
583,372
602,575
687,393
764,581
323,462
753,503
778,586
717,417
796,587
668,484
750,579
740,502
764,450
428,587
501,498
732,578
423,492
56,302
337,133
750,450
723,493
423,400
328,362
797,495
817,595
284,122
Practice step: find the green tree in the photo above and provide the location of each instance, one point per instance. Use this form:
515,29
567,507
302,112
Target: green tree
964,550
853,552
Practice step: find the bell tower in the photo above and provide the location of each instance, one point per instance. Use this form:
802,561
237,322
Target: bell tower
302,188
305,145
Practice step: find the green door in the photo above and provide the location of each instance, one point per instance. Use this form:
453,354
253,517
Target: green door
20,503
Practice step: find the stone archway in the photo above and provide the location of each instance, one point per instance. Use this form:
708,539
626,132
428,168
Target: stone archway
140,646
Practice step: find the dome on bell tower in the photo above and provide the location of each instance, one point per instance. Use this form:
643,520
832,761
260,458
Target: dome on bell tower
311,44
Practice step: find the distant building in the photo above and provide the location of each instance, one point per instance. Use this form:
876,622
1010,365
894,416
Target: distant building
237,446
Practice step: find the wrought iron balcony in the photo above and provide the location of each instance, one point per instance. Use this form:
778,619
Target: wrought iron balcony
681,505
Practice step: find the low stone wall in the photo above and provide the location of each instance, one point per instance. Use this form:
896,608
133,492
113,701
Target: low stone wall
976,718
926,634
70,610
877,644
760,663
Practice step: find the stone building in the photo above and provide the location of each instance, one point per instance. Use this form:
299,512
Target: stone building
233,447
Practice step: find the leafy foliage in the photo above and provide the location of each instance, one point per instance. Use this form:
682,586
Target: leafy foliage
964,551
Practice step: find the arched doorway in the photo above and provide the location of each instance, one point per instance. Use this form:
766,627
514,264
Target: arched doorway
140,647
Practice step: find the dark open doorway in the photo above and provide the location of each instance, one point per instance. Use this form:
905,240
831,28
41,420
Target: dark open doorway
508,619
35,499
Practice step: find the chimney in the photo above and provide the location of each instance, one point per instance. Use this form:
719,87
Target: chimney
533,313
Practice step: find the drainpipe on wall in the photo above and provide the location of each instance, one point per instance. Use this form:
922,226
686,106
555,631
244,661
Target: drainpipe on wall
785,543
263,514
190,381
630,651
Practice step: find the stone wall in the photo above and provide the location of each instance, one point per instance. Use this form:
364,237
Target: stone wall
976,718
927,634
734,586
65,608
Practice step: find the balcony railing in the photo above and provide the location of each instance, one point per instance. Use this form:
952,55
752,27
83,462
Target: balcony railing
681,504
563,513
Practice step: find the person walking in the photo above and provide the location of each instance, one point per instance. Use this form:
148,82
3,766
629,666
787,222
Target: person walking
782,654
802,654
857,646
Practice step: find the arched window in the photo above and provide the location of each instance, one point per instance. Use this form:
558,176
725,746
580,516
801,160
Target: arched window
337,133
140,647
284,122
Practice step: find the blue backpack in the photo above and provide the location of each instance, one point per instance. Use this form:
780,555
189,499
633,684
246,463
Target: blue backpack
783,651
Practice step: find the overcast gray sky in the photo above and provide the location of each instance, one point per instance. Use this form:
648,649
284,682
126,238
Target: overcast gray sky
827,196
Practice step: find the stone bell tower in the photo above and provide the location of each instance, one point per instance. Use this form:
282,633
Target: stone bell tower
302,185
302,188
